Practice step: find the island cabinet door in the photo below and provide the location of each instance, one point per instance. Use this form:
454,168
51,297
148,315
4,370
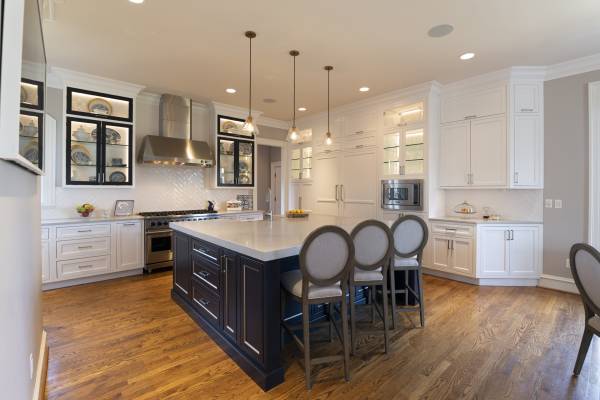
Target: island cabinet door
229,294
182,265
252,315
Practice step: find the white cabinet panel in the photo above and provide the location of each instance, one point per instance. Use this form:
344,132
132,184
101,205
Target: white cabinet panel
527,97
129,245
462,256
45,261
488,152
524,251
79,231
360,123
83,267
481,103
454,155
73,249
493,251
527,150
441,252
326,182
358,192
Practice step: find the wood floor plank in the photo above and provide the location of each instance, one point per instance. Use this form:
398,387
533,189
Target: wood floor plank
126,339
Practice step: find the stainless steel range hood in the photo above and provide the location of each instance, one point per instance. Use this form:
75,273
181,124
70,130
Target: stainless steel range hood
173,145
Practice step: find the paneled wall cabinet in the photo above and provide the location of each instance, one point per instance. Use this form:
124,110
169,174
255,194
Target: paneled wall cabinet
495,254
492,137
79,252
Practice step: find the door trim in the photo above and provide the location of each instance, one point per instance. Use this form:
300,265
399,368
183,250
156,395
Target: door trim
594,164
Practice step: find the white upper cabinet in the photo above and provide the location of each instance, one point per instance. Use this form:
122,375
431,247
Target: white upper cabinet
476,104
527,97
488,151
360,124
527,151
454,155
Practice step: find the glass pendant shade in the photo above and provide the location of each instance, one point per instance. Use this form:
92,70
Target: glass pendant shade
293,133
328,140
249,126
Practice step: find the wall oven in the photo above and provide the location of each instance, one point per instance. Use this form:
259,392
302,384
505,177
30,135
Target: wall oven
400,194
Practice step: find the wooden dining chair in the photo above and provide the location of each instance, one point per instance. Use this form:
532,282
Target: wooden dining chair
410,235
373,249
585,268
326,258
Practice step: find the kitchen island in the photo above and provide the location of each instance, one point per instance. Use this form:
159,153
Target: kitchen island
226,277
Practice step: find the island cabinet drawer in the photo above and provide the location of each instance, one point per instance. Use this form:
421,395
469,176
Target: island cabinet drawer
80,231
206,302
82,268
206,251
74,249
453,229
206,272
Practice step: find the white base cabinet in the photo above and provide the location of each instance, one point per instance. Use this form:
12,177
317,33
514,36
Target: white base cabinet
94,249
486,253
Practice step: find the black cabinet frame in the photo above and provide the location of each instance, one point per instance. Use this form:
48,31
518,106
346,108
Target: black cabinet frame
236,162
71,90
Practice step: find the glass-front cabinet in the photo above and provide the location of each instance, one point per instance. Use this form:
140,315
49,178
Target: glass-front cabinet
235,162
31,129
403,141
99,148
301,163
98,152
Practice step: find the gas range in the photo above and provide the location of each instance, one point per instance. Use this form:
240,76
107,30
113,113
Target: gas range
159,237
159,220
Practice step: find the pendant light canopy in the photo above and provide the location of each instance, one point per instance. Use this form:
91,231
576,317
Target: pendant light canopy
249,125
328,140
293,134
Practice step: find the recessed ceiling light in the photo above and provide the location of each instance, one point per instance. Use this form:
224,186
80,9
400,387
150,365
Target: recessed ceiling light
467,56
364,89
230,90
136,1
301,108
440,30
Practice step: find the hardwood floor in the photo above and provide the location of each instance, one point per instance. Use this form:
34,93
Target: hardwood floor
126,339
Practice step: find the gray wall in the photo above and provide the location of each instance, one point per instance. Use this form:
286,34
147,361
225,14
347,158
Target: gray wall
565,167
20,280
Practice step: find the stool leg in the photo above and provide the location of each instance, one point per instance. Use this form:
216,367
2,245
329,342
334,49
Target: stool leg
353,332
405,286
421,298
393,292
345,334
306,332
330,317
385,316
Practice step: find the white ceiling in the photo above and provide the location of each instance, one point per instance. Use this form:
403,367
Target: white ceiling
197,48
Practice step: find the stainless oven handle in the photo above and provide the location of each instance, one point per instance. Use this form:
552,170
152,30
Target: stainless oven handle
154,233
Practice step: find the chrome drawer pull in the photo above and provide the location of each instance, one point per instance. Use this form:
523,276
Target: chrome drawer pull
526,109
84,247
203,274
130,224
205,254
470,116
85,231
85,266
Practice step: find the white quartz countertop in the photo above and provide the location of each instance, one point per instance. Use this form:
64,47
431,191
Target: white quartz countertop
87,220
481,221
265,240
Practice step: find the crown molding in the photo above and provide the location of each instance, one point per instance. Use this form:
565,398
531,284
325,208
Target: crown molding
66,77
273,123
573,67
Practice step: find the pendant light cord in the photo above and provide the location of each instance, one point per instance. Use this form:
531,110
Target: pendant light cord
294,100
328,71
250,91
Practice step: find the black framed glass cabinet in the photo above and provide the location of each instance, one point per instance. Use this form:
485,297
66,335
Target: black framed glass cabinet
235,162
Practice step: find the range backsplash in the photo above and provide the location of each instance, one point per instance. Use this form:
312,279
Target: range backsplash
157,187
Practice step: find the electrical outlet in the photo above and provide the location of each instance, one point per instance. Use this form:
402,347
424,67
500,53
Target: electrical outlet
548,203
558,203
30,365
567,264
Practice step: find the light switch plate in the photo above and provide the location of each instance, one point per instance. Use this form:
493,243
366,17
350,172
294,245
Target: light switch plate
548,203
558,203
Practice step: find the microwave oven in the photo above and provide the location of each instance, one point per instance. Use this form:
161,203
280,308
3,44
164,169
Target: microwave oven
398,194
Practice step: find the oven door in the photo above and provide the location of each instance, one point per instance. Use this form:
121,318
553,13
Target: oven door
159,246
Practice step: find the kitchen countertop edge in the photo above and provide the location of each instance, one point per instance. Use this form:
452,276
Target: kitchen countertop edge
480,221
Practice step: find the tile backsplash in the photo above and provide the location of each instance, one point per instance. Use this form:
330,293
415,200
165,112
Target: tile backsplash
157,187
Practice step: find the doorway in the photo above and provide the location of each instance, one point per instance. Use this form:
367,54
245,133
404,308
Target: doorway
269,182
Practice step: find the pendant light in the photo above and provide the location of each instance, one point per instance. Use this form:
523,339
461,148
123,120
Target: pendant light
249,126
293,131
328,140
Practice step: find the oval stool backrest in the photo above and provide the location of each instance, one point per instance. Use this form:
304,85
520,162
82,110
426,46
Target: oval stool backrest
326,255
373,244
585,268
410,235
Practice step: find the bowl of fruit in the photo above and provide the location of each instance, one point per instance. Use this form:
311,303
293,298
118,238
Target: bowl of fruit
296,213
85,209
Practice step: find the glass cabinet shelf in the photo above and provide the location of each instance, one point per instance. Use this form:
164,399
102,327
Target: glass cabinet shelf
301,163
404,151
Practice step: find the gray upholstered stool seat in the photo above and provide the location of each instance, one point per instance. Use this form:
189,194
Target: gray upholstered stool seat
594,323
292,282
406,262
360,275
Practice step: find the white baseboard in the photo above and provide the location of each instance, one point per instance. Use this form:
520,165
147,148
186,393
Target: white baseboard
454,277
91,279
482,281
42,369
558,283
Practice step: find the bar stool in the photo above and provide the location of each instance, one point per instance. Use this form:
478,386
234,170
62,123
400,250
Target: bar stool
373,250
410,235
325,261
